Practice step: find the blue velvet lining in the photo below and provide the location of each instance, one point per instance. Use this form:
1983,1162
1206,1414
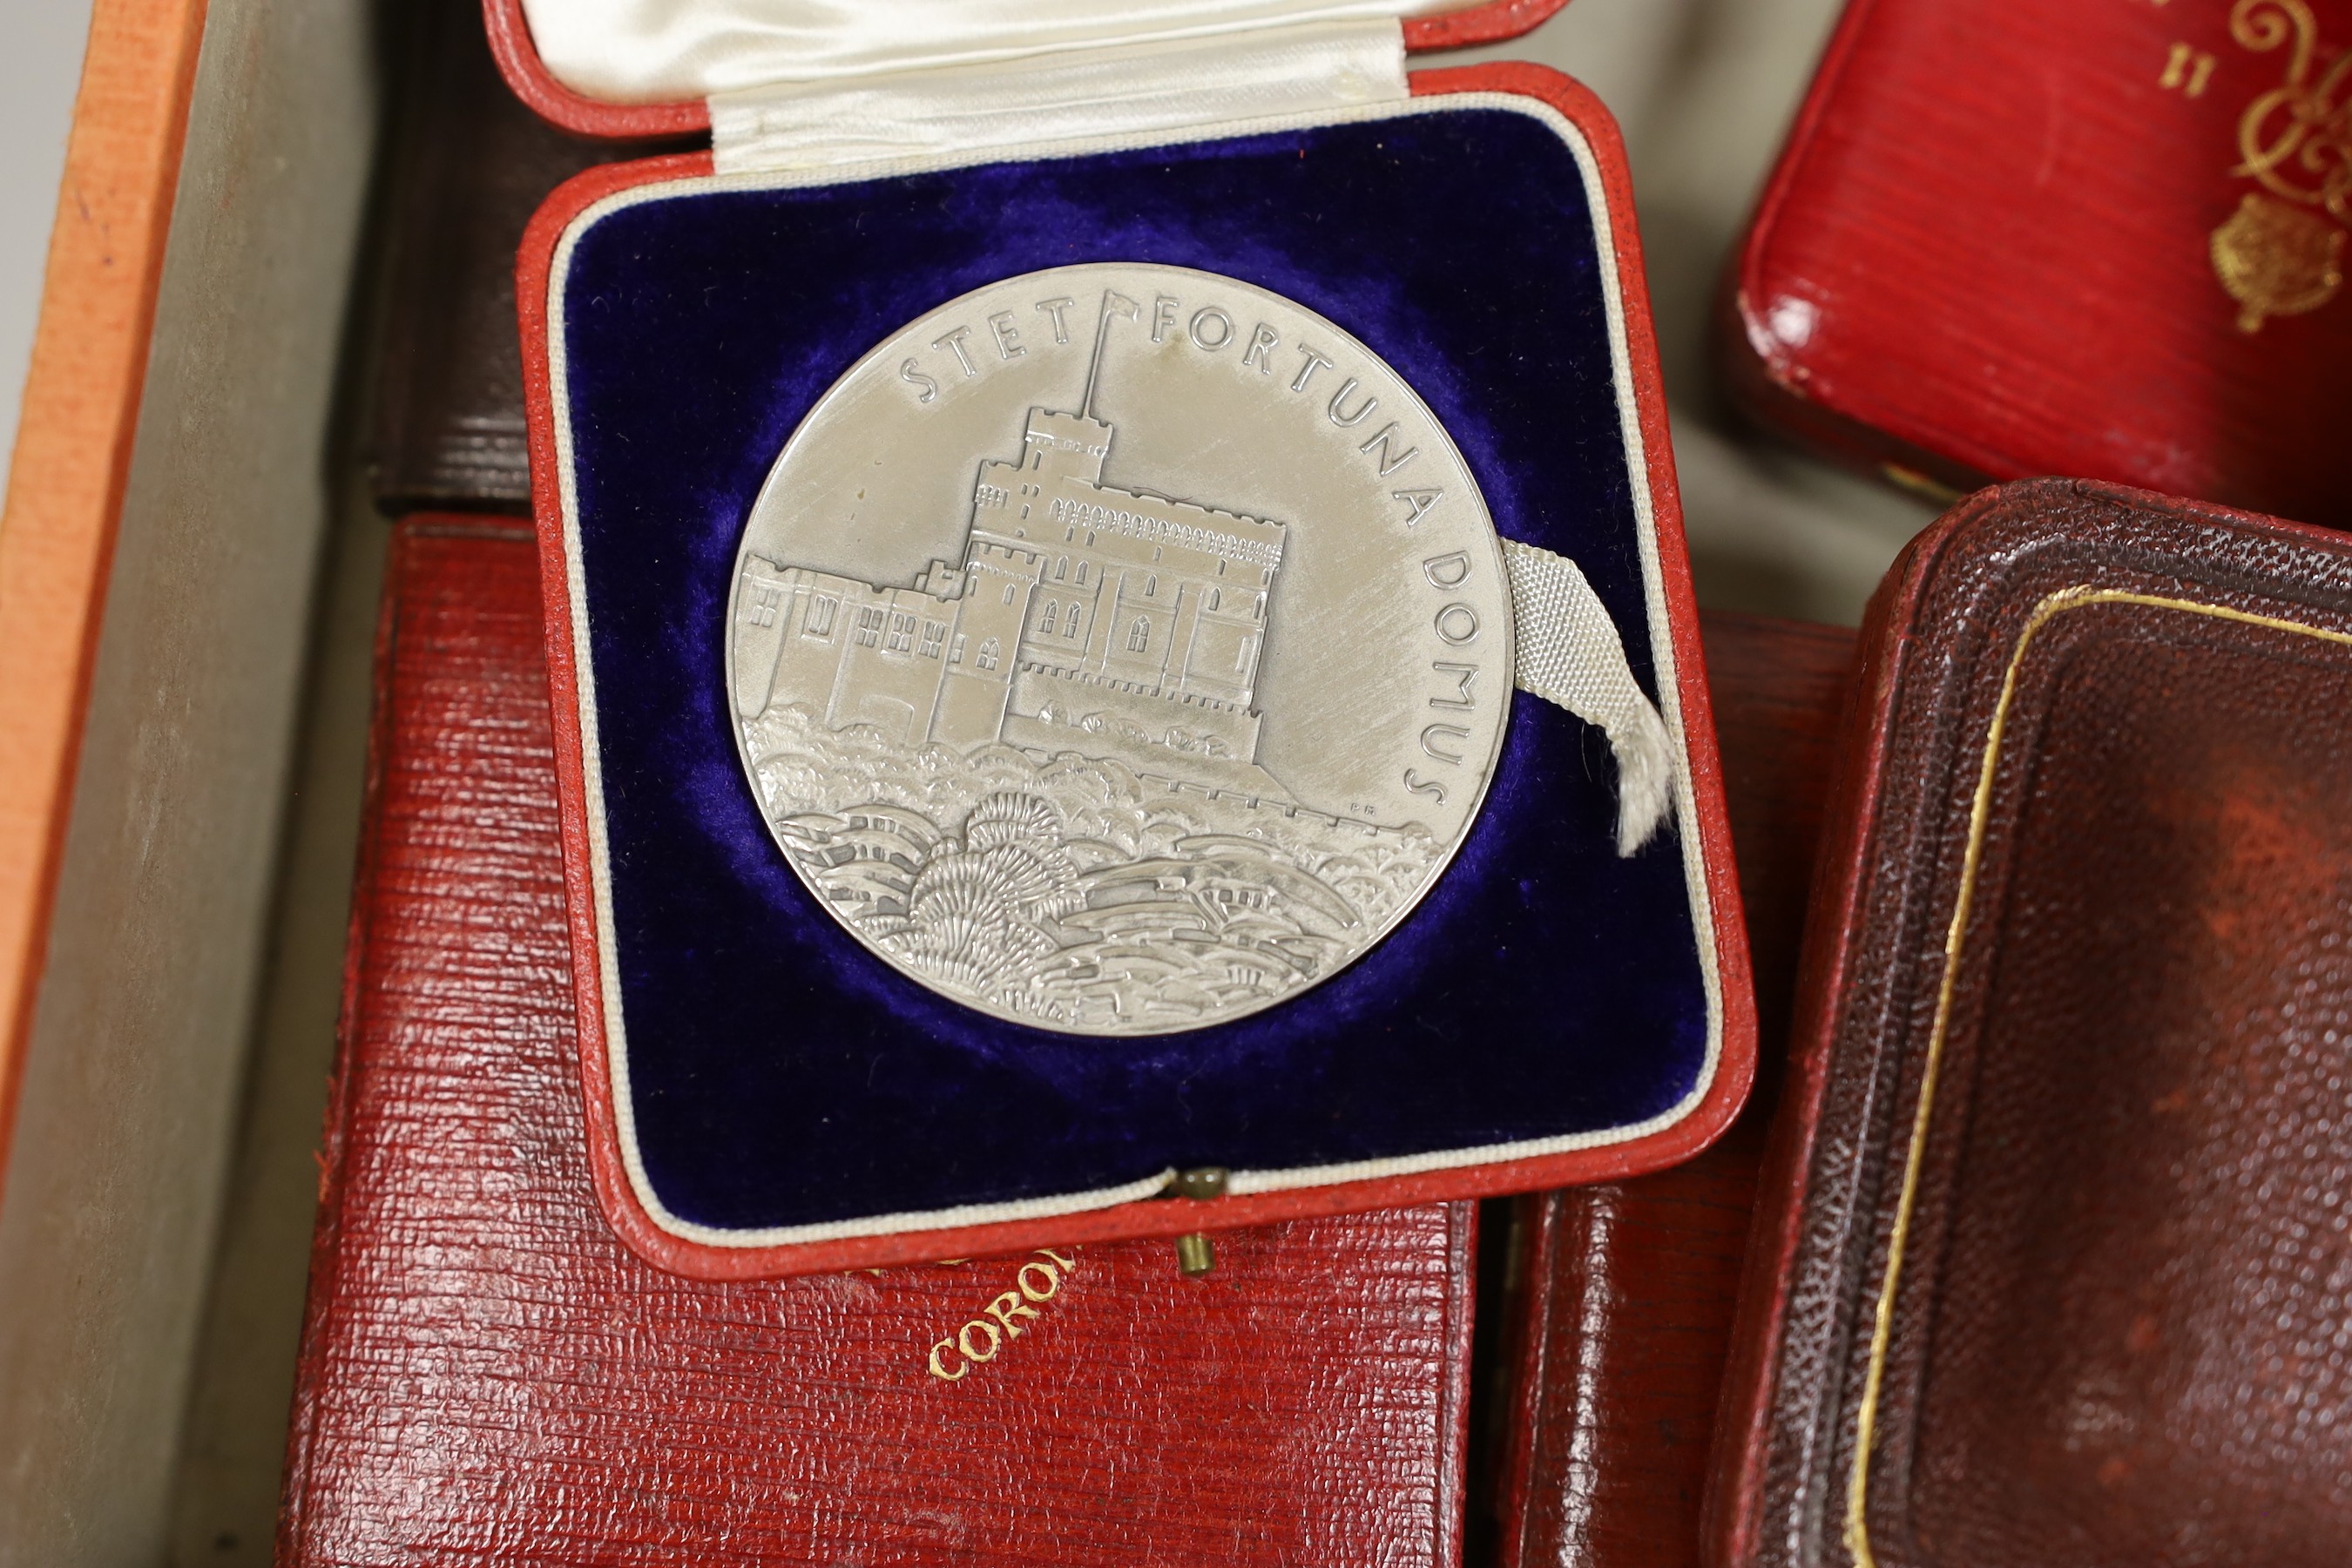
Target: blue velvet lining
781,1075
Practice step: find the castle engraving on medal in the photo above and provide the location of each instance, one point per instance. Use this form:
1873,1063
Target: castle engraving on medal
1119,650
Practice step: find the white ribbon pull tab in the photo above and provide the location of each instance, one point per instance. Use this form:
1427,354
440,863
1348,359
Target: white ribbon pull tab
1569,654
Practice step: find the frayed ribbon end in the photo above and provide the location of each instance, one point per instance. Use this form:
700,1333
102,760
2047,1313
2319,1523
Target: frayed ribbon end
1569,655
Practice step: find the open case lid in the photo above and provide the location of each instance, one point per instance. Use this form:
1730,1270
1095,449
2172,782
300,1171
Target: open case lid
792,1063
648,67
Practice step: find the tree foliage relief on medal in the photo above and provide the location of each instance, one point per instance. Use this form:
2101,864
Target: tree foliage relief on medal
1119,650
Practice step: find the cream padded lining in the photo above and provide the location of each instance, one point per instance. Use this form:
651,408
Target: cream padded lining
1090,98
672,51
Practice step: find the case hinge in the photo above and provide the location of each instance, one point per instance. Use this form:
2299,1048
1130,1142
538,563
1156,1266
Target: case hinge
1072,103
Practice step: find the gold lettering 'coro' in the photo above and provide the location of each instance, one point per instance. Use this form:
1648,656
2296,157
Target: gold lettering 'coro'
993,1329
1008,1307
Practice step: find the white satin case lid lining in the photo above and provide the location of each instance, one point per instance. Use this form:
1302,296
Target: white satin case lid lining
672,51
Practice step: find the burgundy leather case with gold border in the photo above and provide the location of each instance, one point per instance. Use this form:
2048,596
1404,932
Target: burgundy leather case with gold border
1618,1317
2103,237
2053,1263
490,1375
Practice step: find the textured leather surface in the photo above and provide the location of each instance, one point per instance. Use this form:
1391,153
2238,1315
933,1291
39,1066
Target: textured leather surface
2118,1327
1624,1318
469,164
488,1375
1988,252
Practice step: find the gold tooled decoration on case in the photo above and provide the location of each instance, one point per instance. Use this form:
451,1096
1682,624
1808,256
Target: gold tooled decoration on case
2281,253
2276,260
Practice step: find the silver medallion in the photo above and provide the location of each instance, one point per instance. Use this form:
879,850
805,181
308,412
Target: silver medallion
1119,650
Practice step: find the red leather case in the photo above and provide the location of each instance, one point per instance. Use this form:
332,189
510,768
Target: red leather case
490,1375
2010,239
2054,1261
1621,1320
1677,1141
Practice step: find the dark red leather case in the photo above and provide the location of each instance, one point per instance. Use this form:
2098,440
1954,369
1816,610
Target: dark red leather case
488,1374
468,166
2009,237
1620,1319
2054,1262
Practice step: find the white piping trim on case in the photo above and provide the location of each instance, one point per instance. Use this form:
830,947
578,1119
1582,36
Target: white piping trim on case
1241,1181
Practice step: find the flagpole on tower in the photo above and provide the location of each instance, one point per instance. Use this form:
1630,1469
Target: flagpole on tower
1112,301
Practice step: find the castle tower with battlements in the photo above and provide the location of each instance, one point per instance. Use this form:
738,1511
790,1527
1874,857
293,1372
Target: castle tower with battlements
1082,617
